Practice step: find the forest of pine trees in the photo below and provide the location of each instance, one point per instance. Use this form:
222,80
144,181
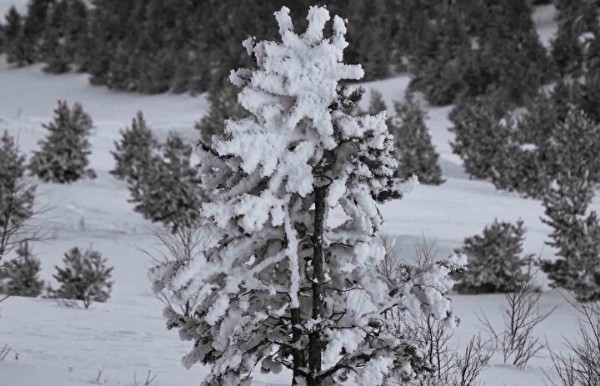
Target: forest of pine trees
454,49
285,143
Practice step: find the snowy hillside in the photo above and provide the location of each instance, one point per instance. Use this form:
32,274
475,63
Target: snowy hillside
124,341
57,345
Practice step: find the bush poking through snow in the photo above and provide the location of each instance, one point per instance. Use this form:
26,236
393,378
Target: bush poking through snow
494,261
85,277
20,276
63,157
416,153
581,366
521,316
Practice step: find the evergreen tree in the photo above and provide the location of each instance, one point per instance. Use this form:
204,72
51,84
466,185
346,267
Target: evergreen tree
576,144
223,106
269,284
63,157
494,261
13,34
52,50
16,195
481,47
575,235
20,276
436,67
76,38
372,35
416,154
85,277
169,190
577,27
135,153
482,133
33,28
376,103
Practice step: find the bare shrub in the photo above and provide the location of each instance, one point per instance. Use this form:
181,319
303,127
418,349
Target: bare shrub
5,351
470,364
581,367
521,316
100,379
445,365
148,381
180,245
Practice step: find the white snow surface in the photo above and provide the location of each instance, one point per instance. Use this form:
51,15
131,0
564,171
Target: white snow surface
110,344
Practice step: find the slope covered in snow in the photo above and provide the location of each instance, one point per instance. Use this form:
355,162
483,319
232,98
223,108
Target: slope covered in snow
125,337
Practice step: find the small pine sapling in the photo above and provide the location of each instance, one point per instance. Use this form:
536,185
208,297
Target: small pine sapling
482,133
135,152
376,103
63,157
20,276
416,153
223,105
169,192
85,277
494,261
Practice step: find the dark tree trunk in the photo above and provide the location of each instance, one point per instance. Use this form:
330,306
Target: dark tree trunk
315,345
297,354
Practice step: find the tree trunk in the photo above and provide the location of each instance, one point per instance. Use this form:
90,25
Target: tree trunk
297,354
315,345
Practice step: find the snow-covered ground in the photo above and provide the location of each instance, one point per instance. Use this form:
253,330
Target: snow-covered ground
118,342
126,336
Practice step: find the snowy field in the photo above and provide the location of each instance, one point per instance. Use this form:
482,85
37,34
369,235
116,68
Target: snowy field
118,342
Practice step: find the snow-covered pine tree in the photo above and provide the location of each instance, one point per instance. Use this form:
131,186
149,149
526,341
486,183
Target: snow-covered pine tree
135,152
63,157
85,276
16,196
268,284
416,153
494,260
20,276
